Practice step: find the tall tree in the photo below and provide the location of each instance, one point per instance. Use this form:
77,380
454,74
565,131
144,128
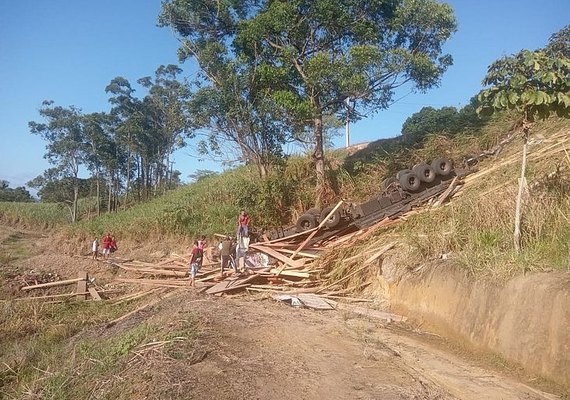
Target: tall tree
66,147
535,84
128,111
229,103
165,110
313,54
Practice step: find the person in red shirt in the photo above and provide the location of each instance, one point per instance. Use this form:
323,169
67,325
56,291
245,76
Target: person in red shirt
107,245
243,224
196,256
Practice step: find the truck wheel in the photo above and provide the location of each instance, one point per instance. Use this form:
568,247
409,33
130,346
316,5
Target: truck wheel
334,220
402,172
387,182
313,211
410,182
424,172
442,166
306,222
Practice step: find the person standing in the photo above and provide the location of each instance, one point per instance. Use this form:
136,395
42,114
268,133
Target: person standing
243,224
202,242
196,256
95,248
107,245
226,254
113,247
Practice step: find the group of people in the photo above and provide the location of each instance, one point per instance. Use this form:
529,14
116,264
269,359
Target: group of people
109,246
227,248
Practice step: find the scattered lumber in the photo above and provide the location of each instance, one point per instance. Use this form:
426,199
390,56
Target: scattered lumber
141,308
445,195
52,284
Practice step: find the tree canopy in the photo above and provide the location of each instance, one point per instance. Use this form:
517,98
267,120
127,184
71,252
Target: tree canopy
309,56
18,194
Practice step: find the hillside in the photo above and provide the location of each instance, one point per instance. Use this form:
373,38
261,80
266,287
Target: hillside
475,311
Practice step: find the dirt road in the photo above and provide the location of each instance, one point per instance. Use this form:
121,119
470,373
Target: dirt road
259,349
248,347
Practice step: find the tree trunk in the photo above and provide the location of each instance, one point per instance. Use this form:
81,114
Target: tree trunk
517,231
319,158
75,201
98,194
128,180
110,189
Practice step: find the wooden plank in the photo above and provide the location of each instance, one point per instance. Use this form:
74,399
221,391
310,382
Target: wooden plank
94,294
323,222
275,254
314,301
294,273
51,296
141,308
220,286
366,264
82,286
301,253
291,236
379,253
227,289
51,284
445,194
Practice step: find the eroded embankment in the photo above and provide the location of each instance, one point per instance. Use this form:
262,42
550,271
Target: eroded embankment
526,321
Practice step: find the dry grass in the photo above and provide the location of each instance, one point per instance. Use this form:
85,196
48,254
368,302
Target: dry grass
57,351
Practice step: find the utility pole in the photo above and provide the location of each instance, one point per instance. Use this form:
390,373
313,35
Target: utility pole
347,101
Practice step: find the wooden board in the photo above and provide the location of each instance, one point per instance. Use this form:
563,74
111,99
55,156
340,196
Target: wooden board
297,274
51,284
82,285
94,294
314,301
275,254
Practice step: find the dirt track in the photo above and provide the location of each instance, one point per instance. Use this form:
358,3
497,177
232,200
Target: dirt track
252,348
258,349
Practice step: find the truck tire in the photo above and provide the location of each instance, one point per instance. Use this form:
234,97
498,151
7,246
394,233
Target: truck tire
410,182
387,182
306,222
334,220
402,172
442,166
425,172
313,211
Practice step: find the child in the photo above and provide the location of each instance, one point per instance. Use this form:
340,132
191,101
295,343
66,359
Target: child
195,262
202,243
95,248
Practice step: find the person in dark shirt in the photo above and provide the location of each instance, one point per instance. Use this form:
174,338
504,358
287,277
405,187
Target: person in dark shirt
226,254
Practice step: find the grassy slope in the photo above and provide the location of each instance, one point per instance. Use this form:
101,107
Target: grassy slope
476,229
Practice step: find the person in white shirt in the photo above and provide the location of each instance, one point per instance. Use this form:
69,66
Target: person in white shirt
95,249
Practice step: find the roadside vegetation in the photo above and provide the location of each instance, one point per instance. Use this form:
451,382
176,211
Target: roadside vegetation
57,351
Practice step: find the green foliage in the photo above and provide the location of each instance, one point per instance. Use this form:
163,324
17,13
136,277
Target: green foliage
559,42
312,55
19,194
534,83
39,215
446,120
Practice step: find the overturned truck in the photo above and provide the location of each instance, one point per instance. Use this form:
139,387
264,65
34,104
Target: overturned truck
410,187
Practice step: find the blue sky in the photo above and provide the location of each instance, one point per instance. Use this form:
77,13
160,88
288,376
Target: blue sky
68,51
